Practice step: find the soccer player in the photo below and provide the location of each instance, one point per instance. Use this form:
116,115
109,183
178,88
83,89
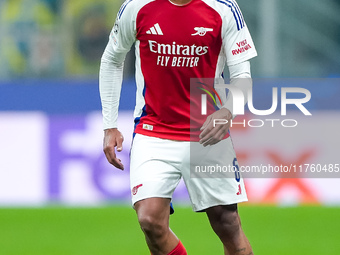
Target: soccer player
176,40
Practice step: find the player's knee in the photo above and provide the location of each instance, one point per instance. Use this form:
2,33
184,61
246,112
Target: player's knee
225,222
229,225
153,227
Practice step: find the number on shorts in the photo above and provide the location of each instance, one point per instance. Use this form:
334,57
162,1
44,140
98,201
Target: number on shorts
237,170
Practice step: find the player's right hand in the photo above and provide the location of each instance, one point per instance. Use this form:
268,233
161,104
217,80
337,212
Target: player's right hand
113,138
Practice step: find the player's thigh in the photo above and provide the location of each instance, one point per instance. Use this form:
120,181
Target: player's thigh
153,211
153,169
224,213
213,179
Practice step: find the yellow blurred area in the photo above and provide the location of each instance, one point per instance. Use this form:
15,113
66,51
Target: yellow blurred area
53,38
90,22
63,39
20,10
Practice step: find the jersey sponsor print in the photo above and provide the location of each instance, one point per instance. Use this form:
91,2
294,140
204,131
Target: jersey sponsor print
173,45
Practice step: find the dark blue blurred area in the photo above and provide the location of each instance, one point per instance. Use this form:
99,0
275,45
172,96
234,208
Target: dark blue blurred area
81,96
59,96
325,93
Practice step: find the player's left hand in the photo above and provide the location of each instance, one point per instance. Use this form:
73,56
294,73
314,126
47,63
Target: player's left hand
211,135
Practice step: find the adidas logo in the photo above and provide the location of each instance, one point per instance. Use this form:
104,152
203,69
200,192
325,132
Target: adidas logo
155,30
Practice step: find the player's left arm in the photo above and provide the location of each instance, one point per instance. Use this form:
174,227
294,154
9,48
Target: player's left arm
238,48
213,133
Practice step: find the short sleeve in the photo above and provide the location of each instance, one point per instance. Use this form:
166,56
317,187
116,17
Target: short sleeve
237,42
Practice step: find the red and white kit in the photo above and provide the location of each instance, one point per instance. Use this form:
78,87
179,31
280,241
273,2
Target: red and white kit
173,44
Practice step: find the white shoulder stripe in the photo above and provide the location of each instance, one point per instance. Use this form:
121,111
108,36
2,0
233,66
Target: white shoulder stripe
236,12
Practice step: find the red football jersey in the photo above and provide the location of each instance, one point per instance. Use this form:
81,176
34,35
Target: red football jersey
174,44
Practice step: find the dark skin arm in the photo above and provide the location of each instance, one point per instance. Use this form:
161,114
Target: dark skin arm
113,138
211,135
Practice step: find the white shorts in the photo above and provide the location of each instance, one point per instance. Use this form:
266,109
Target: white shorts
157,165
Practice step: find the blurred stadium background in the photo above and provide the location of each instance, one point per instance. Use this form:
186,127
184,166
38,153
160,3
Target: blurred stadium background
58,195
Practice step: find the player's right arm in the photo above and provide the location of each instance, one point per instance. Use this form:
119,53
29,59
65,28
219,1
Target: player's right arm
113,138
110,80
